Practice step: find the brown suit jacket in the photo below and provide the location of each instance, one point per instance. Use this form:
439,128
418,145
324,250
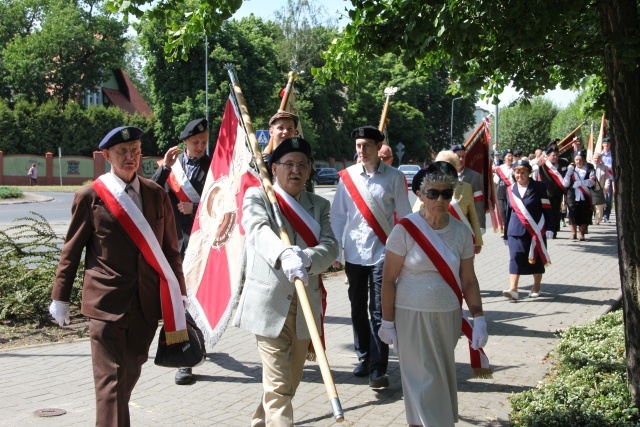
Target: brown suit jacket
114,266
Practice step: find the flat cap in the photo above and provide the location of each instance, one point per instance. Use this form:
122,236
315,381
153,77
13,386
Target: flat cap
290,145
194,127
120,134
368,132
458,147
284,115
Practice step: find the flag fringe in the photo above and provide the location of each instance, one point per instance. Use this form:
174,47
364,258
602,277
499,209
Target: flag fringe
176,337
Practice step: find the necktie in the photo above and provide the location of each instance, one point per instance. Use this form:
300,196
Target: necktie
131,192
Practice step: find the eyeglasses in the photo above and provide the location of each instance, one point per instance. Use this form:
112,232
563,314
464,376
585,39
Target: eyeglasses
290,165
432,194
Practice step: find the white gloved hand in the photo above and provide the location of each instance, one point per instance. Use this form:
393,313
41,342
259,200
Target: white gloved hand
292,266
185,301
60,312
387,333
306,261
480,335
483,230
577,184
549,234
571,169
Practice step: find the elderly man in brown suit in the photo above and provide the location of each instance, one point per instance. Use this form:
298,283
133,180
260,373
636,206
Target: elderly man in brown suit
120,294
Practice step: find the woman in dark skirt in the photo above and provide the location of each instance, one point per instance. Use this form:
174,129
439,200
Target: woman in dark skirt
579,178
528,225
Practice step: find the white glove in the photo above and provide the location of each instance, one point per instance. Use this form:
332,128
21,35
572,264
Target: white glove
292,266
483,230
60,312
387,333
577,184
480,335
570,169
549,234
306,261
185,301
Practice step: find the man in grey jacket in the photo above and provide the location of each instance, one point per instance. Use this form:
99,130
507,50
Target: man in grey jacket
268,305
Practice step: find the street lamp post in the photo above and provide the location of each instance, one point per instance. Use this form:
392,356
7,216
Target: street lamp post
452,101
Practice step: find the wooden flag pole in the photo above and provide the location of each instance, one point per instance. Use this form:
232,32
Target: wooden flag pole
300,289
285,98
389,92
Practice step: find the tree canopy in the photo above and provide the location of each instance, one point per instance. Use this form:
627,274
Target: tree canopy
527,125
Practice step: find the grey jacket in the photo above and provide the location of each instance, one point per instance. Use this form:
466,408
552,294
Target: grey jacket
267,293
475,179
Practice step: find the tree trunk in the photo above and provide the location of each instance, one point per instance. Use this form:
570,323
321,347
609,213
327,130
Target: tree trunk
619,20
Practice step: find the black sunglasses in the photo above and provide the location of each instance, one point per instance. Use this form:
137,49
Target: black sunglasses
432,194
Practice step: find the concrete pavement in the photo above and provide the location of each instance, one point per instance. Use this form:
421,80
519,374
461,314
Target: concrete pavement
582,283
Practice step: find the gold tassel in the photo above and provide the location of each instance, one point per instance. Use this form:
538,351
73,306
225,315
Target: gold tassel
177,337
482,373
311,356
532,261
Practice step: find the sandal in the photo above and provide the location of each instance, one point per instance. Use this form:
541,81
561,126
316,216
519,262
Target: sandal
582,238
573,237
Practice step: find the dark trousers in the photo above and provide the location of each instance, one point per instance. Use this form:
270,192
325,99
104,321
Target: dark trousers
608,198
118,351
502,205
365,286
556,211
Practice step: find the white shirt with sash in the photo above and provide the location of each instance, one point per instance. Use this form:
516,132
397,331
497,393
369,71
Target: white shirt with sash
386,186
181,186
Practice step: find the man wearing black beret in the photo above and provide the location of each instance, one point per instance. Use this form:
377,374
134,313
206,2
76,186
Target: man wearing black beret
121,288
183,175
552,173
474,179
362,215
502,177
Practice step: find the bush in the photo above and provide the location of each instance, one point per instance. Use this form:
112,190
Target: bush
588,387
10,193
29,255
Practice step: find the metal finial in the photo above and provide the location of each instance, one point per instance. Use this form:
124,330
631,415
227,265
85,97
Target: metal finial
391,90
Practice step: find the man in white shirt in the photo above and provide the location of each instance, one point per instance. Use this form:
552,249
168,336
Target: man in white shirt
361,217
607,159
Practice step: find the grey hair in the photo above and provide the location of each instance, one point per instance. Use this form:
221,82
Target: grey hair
438,178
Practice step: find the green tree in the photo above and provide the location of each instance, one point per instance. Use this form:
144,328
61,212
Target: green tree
579,111
535,45
527,125
68,53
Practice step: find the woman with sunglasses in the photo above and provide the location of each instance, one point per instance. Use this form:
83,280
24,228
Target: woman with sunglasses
428,270
527,226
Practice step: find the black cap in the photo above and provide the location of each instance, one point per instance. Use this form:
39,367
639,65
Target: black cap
442,168
552,147
194,127
507,151
580,153
606,140
517,153
368,132
120,134
458,147
284,115
524,163
290,145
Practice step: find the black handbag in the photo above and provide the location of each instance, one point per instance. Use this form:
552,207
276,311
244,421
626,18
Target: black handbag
185,354
597,195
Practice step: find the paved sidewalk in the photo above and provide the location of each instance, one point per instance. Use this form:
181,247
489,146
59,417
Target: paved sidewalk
582,283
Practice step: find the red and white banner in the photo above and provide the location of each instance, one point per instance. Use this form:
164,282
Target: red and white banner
181,186
213,264
448,265
118,202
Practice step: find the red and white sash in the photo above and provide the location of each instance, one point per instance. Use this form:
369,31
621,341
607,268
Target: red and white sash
456,211
309,229
478,196
503,176
181,186
554,174
448,265
535,229
364,201
118,202
582,192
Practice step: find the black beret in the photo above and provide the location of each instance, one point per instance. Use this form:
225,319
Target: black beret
496,153
606,140
580,153
440,168
552,147
290,145
517,153
194,127
368,132
284,115
524,163
120,134
458,147
507,151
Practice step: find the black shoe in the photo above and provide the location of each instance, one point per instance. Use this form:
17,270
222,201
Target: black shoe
184,376
378,380
362,370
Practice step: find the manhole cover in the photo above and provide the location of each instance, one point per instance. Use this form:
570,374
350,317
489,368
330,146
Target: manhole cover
49,412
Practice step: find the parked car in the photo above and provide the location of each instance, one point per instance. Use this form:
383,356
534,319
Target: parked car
409,172
327,176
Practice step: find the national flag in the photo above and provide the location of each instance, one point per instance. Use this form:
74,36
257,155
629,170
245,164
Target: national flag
213,264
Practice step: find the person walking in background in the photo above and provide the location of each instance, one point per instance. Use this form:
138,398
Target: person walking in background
475,180
422,292
609,191
385,154
528,224
579,178
33,174
362,215
551,172
502,178
604,181
125,223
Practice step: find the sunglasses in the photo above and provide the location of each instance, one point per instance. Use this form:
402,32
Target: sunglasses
432,194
